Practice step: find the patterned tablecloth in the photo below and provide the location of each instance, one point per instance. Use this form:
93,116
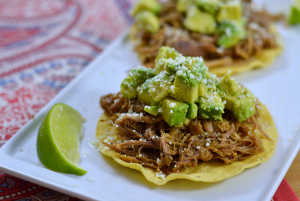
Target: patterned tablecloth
43,45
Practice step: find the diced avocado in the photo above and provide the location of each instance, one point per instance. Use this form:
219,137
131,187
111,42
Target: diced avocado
159,87
186,89
228,85
144,94
211,106
199,21
174,112
211,82
165,65
147,21
230,33
134,79
186,122
192,111
167,52
164,53
166,60
230,10
189,74
183,5
151,109
149,5
195,64
238,100
209,6
202,89
294,17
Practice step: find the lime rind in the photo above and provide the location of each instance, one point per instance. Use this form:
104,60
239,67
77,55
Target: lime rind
294,17
49,153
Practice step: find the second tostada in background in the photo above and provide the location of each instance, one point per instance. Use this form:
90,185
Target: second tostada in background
229,34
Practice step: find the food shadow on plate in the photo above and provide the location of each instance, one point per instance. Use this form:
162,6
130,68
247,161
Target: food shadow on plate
138,178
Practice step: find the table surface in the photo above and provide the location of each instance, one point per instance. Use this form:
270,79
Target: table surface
293,175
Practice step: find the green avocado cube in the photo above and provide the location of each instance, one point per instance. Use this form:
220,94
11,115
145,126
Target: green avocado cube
231,10
237,99
165,53
189,74
211,106
144,94
134,79
148,5
147,21
159,87
199,21
184,90
174,112
165,65
151,109
294,17
209,6
202,89
230,33
183,5
192,112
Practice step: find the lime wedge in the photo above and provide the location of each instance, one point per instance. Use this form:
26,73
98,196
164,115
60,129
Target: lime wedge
58,140
294,17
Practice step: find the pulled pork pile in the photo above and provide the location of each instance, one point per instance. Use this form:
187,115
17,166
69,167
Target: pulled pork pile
189,43
150,141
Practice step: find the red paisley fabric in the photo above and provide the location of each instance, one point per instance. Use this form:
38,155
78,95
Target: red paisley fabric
43,45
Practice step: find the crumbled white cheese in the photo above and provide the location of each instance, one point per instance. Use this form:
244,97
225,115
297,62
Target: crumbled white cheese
160,175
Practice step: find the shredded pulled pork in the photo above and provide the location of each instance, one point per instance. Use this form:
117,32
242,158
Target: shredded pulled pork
150,141
189,43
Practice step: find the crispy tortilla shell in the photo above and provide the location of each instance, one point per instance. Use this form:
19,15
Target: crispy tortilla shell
211,171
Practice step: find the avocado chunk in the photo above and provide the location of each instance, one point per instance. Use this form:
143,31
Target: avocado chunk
209,6
238,100
211,106
147,21
148,5
151,109
188,76
164,58
199,21
230,33
167,52
202,89
230,10
211,82
186,122
159,87
134,79
294,17
183,5
174,112
192,111
185,88
144,94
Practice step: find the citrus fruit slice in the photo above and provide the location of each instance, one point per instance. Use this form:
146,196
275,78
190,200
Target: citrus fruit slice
295,12
58,139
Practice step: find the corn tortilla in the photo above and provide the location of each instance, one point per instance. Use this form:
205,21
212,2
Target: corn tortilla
211,171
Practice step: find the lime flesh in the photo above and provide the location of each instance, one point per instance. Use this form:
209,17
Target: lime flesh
58,140
294,17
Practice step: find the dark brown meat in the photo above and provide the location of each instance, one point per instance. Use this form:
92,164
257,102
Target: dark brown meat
148,140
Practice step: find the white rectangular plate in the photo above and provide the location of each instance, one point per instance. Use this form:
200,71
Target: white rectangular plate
275,86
